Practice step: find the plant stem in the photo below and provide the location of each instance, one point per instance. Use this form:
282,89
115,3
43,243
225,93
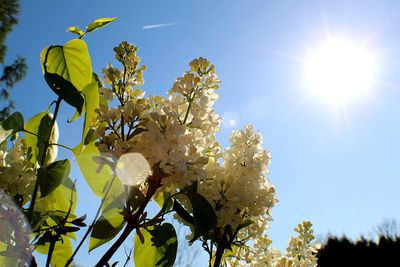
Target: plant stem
63,146
219,254
29,132
70,260
50,253
191,99
128,257
46,146
133,222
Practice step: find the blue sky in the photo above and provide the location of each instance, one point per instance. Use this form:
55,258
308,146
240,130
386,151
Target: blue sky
339,170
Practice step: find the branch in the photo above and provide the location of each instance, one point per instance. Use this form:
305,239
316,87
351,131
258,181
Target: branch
46,146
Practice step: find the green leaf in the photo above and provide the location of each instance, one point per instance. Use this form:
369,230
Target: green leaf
59,199
76,30
161,197
100,83
159,247
10,260
62,251
109,223
91,94
98,23
88,167
66,90
182,212
67,70
40,124
91,100
79,221
71,62
204,215
52,176
11,125
33,142
15,122
89,137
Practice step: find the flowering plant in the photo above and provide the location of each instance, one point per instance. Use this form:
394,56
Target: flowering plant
135,150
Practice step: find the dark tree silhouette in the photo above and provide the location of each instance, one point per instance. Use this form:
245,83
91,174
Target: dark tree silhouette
15,71
343,252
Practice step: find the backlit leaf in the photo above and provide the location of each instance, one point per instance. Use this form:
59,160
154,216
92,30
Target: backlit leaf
108,224
67,70
59,199
11,125
51,176
62,251
71,62
96,181
98,23
76,30
40,124
159,247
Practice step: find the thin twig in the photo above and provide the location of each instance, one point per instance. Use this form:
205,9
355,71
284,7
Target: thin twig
128,257
69,261
133,221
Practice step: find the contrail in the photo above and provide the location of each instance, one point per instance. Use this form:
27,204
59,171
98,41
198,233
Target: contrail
153,26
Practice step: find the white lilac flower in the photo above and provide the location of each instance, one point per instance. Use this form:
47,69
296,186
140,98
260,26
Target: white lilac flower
174,134
17,175
301,251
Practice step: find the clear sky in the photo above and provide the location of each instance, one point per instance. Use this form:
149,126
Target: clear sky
337,167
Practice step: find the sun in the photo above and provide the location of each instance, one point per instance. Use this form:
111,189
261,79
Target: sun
339,72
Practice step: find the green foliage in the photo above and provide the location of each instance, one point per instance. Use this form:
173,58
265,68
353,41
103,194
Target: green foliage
76,30
159,247
161,197
53,209
71,62
66,90
59,199
97,180
33,142
51,176
204,217
106,228
92,98
61,253
8,261
109,223
67,70
98,23
39,129
11,125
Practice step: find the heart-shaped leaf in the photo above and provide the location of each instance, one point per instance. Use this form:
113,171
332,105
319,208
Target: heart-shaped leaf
52,176
67,70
